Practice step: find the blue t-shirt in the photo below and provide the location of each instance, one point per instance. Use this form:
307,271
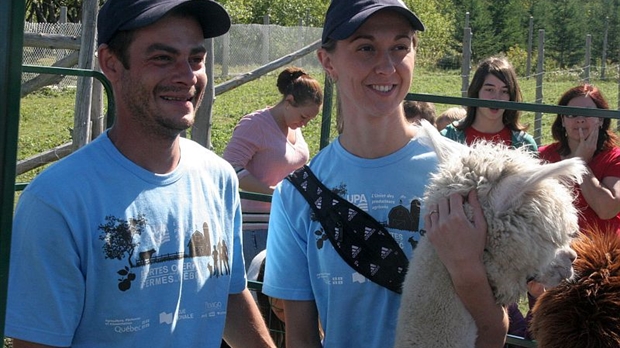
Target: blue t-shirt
107,254
302,264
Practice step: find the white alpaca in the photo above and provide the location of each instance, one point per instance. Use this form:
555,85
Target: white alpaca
531,221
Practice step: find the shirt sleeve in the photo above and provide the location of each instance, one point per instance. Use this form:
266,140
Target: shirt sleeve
613,164
238,278
286,267
45,269
244,143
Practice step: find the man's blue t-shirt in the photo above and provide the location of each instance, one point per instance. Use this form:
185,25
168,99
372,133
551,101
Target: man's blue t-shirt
107,254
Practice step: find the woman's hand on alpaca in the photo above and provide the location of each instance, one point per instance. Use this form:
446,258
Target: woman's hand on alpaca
458,241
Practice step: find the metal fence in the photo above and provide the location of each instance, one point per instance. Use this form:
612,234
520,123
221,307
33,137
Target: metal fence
243,48
48,56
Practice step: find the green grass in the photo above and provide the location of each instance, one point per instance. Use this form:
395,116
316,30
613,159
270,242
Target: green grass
47,116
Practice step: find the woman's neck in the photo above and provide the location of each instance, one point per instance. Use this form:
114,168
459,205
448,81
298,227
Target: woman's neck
376,138
488,126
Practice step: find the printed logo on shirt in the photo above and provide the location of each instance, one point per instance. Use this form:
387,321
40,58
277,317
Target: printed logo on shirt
128,325
165,318
358,199
401,215
121,240
357,277
330,279
213,309
168,318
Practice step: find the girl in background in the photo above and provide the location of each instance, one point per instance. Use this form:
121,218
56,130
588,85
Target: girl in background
494,79
267,145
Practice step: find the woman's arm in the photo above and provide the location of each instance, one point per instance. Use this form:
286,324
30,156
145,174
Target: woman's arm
302,324
602,196
245,327
25,344
250,183
460,243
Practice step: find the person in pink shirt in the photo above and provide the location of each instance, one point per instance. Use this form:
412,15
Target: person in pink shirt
592,140
267,145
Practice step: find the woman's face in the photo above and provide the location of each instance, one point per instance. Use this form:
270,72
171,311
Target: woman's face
299,116
492,89
576,124
373,68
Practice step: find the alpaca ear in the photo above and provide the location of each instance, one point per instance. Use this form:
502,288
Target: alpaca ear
446,149
568,171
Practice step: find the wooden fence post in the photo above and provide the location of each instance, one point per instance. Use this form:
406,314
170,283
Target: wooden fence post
540,71
201,130
265,51
529,48
466,62
81,125
586,70
618,120
225,54
60,54
604,55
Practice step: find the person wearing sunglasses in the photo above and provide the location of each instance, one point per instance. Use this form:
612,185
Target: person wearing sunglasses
592,140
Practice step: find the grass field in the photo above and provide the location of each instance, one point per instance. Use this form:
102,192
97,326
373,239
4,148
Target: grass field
46,117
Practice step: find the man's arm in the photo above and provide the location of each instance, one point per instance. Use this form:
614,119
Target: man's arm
302,324
25,344
245,327
460,243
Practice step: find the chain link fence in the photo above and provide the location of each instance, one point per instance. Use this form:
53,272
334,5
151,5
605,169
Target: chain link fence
244,48
48,56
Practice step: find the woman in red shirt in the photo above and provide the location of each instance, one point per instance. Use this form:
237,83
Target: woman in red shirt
592,140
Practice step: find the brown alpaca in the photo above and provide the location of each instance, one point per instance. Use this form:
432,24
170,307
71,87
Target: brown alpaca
585,311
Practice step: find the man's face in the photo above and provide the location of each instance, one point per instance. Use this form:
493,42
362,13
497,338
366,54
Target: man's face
165,83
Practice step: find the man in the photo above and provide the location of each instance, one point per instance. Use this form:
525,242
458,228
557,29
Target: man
134,240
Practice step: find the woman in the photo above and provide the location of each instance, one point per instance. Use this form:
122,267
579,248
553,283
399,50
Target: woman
592,140
267,145
494,79
378,164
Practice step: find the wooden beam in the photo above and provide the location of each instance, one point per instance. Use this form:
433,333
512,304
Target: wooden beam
53,41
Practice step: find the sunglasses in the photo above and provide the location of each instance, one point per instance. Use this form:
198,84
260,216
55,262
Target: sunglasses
574,116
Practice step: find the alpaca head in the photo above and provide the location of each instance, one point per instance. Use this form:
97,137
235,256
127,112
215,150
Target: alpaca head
527,206
583,311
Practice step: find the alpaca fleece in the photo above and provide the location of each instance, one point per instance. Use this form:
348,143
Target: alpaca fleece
584,311
531,222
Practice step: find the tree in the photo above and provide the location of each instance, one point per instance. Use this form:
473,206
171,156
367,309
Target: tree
497,25
565,36
281,12
438,17
484,39
601,15
118,236
509,18
48,11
